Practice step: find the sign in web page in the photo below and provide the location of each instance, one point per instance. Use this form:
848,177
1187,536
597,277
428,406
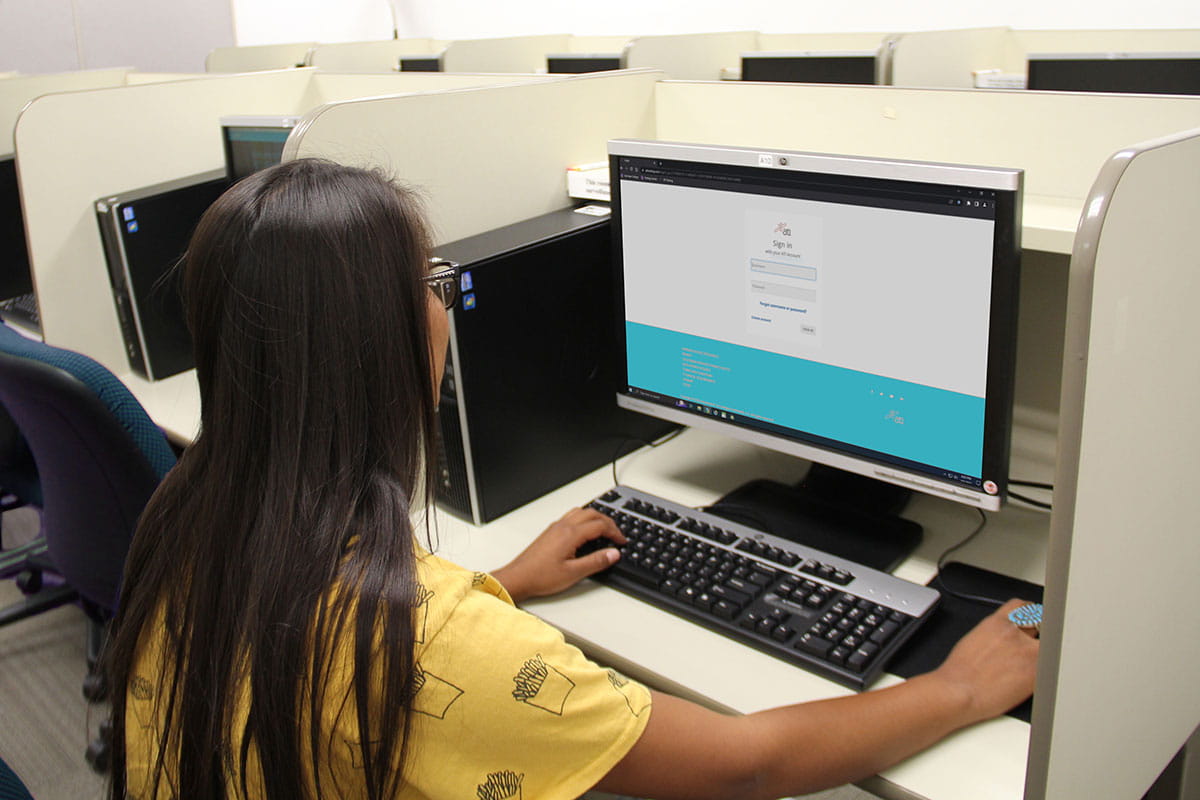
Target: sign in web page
853,323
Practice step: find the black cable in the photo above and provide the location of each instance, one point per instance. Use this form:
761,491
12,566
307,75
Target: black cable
641,443
1030,501
1031,484
941,563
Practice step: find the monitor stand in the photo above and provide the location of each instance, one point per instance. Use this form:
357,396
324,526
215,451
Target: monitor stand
843,514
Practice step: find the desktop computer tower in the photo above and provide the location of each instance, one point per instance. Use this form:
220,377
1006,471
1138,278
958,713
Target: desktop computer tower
528,401
145,232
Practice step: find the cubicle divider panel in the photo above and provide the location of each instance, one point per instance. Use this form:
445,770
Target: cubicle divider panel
17,91
597,44
1108,41
510,54
490,156
381,56
1059,139
1117,690
258,57
74,148
692,56
327,87
821,41
947,58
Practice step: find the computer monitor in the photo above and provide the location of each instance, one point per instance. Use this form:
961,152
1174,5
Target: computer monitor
421,63
15,279
1148,73
856,312
794,66
577,63
254,142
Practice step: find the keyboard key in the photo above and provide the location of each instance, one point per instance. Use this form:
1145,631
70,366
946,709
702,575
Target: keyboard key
862,657
839,654
816,645
726,592
725,609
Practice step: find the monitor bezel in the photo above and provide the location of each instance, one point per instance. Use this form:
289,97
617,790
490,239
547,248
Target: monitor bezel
1007,182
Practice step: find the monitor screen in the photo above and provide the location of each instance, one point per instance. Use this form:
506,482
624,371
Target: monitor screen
1147,73
15,278
857,312
254,143
420,63
577,63
810,67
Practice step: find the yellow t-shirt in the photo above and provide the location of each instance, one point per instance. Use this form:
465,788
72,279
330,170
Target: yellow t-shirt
504,707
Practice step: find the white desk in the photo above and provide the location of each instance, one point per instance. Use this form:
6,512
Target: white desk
664,651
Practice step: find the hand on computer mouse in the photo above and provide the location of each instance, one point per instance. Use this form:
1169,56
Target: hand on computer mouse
994,665
550,564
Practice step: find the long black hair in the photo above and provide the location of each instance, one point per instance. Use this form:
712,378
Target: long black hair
286,528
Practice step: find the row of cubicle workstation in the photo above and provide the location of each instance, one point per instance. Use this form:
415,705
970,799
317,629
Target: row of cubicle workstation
993,57
1104,391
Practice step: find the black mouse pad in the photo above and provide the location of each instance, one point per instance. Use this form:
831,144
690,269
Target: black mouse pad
955,616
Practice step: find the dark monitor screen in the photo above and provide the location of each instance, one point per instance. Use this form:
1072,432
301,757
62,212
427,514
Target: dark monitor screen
1148,73
815,67
860,313
15,279
576,63
145,233
420,63
254,143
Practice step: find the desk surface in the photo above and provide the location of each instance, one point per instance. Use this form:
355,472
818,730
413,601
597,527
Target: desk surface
986,761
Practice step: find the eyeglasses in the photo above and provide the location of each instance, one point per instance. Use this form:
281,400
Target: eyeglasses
442,280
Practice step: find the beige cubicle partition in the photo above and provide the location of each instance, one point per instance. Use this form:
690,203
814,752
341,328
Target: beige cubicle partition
138,136
949,58
258,57
487,166
381,56
18,90
597,44
511,54
1108,41
821,41
1118,694
692,56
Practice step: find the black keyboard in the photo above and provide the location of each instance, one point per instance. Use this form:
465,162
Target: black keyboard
826,614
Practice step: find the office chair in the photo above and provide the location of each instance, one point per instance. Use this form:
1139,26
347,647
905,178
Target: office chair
99,458
11,786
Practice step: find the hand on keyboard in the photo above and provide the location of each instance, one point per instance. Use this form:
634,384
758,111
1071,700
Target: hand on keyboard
551,563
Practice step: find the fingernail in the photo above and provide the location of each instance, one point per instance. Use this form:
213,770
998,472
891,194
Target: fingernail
611,554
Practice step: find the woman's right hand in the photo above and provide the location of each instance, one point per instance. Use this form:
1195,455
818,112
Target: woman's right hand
994,665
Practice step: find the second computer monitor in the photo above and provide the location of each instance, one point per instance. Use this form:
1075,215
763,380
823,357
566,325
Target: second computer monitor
254,142
1148,73
857,312
793,66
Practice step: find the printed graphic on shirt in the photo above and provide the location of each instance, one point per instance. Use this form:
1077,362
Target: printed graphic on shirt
637,701
142,692
421,613
479,579
542,686
501,786
433,695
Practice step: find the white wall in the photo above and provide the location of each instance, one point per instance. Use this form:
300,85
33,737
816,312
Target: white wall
39,36
260,21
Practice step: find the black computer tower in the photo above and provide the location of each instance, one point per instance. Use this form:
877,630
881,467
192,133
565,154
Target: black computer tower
528,401
145,232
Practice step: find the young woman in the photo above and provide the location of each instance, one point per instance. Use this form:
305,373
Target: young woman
282,632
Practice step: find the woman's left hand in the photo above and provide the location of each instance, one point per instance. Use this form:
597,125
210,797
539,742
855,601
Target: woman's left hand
549,565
